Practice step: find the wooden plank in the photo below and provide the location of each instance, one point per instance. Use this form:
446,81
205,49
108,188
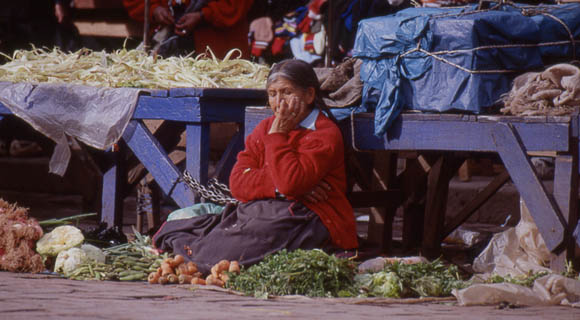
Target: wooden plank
186,109
476,202
378,219
421,116
566,196
222,110
436,204
114,183
414,187
575,132
497,118
380,197
98,4
228,159
451,117
4,110
457,135
155,159
259,95
197,147
113,29
154,220
536,119
253,118
464,171
551,154
559,118
469,117
576,126
167,134
384,176
160,93
185,92
424,163
377,198
543,209
190,109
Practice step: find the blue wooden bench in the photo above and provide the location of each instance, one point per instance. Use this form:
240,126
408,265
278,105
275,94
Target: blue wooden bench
556,214
513,138
197,108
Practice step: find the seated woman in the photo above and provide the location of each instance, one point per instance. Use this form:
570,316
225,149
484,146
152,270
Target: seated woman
290,180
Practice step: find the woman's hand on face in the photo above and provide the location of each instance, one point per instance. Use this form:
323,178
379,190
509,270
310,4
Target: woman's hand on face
318,193
288,115
163,16
187,23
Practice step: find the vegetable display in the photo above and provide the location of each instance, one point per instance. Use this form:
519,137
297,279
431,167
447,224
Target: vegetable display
18,235
306,272
133,68
401,280
71,259
60,239
131,261
177,270
526,280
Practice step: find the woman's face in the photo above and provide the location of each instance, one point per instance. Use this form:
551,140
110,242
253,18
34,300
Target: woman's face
283,91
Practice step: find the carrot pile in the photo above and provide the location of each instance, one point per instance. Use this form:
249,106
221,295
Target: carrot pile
177,271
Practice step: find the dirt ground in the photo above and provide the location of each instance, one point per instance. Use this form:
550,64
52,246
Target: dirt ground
30,296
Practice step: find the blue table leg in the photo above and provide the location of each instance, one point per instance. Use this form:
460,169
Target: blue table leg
114,184
197,141
151,154
543,209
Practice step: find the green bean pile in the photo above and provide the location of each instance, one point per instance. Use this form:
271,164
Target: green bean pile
132,68
132,261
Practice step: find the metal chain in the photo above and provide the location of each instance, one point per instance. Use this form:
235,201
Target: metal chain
215,192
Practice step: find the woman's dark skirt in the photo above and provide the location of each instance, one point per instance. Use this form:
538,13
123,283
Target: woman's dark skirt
246,233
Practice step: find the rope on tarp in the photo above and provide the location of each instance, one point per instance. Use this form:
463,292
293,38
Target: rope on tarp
526,11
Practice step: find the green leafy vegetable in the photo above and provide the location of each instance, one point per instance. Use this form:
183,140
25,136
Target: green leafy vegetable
305,272
380,284
526,280
400,280
569,272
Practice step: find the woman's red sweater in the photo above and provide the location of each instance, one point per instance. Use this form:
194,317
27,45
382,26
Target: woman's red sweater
293,164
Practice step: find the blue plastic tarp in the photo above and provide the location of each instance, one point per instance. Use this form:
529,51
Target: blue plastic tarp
459,59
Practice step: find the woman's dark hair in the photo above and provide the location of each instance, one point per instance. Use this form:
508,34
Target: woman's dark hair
301,74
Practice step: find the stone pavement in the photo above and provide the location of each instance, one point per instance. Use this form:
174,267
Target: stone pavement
38,296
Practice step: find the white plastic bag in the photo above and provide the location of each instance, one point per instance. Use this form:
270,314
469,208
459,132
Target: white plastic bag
515,251
494,293
552,289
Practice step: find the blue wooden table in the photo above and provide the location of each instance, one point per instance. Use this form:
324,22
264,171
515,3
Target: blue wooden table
513,138
197,108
